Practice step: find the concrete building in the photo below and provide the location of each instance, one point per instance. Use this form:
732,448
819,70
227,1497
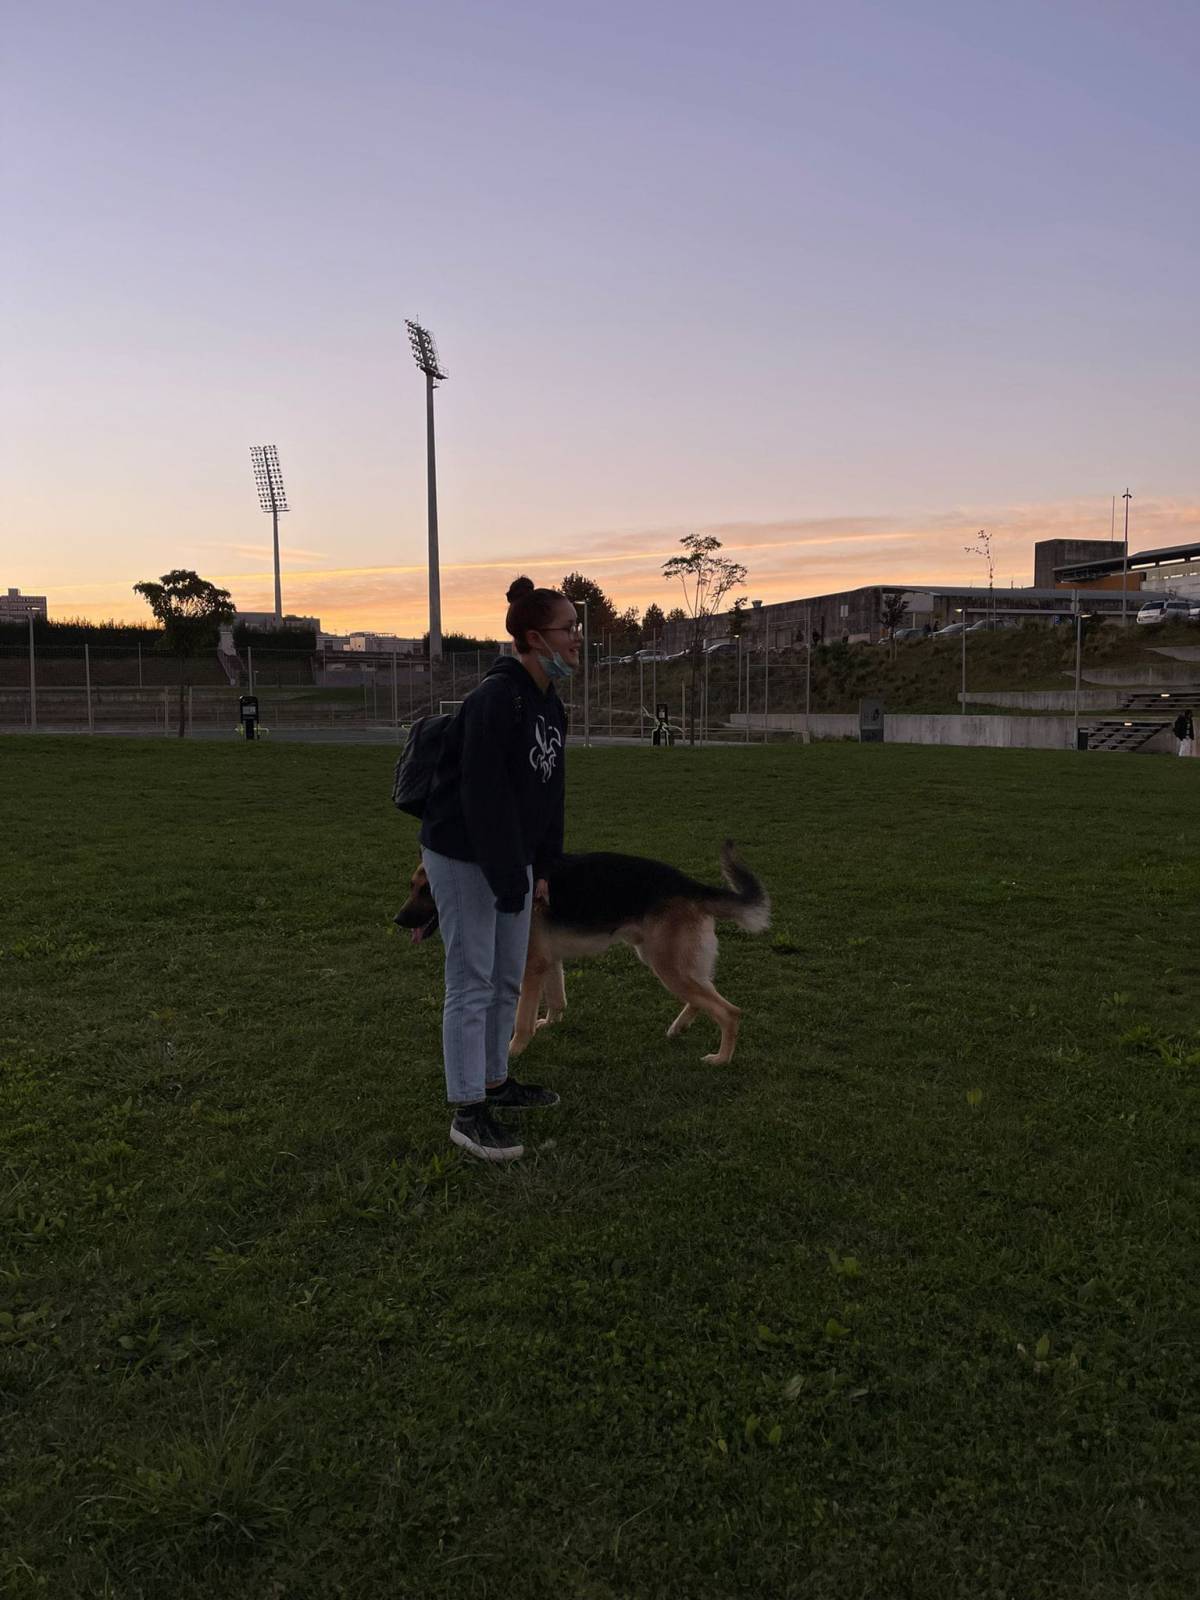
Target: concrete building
1049,555
1171,570
16,607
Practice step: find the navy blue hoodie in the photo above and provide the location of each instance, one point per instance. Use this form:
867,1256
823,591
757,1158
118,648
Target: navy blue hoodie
498,795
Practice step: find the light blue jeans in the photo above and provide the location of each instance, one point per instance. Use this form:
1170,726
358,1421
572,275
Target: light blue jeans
485,960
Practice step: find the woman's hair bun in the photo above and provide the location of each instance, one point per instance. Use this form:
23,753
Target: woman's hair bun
517,588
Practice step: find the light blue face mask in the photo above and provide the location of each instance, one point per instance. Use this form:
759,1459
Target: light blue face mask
555,667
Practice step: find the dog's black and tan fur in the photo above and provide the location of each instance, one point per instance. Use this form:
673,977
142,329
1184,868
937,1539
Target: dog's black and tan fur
598,900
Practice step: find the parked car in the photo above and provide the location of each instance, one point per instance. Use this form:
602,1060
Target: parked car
948,630
720,647
989,625
1156,611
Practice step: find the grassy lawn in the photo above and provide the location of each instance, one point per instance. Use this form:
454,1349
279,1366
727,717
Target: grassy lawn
903,1303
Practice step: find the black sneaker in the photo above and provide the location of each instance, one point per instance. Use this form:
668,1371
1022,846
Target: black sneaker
514,1096
478,1132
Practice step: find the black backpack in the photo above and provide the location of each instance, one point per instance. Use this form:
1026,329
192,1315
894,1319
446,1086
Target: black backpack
416,770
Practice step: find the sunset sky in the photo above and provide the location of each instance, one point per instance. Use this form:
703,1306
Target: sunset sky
840,284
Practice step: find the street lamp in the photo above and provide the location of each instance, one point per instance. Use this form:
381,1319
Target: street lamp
1127,497
425,354
272,497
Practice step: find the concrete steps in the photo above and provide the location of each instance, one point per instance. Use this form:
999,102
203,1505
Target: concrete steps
1122,736
1163,701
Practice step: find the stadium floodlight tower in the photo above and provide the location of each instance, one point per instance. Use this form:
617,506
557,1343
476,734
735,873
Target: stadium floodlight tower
426,356
273,498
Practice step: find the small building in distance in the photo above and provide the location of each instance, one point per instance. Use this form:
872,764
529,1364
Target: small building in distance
265,622
16,607
380,644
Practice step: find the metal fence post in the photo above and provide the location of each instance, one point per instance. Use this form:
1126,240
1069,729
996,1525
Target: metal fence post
395,702
250,668
87,679
191,720
808,691
766,687
166,713
141,685
32,681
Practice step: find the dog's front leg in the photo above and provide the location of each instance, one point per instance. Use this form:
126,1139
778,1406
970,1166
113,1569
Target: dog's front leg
537,965
554,993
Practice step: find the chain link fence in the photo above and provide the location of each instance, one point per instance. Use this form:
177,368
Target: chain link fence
1031,684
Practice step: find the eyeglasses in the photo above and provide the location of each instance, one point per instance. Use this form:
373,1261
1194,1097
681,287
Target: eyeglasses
572,630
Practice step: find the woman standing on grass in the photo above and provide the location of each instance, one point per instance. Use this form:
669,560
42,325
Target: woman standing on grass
490,830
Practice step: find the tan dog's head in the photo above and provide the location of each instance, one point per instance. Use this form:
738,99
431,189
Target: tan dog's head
419,911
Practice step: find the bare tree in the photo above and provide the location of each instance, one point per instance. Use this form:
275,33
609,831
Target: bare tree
984,549
706,578
893,608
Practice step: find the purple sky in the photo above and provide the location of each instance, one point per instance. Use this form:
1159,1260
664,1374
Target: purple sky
841,270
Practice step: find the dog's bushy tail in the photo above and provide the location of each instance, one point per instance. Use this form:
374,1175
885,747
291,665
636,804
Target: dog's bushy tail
746,902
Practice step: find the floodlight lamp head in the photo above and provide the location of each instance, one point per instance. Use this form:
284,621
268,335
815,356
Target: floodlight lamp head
268,477
425,351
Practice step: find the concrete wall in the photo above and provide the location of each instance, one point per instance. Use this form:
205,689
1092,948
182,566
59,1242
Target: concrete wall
1031,733
1003,733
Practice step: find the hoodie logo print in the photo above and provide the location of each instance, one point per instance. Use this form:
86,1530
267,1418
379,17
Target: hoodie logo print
543,753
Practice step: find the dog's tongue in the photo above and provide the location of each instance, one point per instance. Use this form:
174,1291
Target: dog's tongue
417,935
423,931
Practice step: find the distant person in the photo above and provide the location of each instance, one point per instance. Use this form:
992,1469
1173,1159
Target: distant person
1185,732
491,828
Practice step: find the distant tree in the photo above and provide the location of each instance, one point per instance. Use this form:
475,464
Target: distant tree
190,611
454,643
628,637
601,613
706,578
677,614
653,623
737,616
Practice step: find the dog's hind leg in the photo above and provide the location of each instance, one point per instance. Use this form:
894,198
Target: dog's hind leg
682,1022
683,957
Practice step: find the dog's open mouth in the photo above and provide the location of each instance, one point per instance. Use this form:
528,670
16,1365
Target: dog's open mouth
426,929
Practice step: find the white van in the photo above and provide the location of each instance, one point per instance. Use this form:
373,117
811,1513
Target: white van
1155,611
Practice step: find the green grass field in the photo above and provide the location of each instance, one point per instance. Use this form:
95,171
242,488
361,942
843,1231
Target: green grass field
903,1303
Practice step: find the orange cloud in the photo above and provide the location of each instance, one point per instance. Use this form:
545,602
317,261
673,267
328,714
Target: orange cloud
787,559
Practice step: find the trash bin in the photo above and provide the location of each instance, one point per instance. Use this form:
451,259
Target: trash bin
248,715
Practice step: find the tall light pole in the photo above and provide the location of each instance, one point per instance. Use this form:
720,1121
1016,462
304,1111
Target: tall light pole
426,356
273,498
1127,497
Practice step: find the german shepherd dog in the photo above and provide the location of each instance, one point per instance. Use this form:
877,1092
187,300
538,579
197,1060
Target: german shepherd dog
598,900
